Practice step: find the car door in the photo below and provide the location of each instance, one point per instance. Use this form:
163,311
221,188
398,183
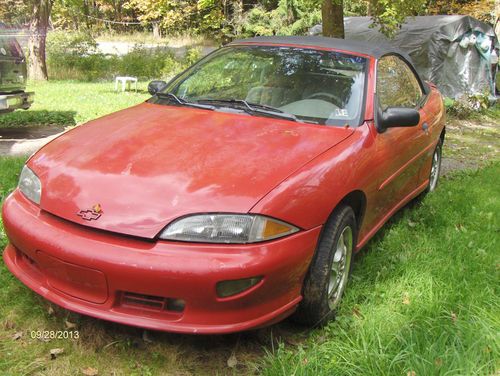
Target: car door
399,150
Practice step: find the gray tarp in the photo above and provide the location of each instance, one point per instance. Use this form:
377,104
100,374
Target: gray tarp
451,51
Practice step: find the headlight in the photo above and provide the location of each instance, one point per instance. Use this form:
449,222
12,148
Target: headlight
29,185
226,228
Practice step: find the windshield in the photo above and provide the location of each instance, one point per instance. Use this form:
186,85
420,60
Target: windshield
323,87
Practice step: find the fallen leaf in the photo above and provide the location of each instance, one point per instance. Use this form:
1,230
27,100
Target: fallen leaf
294,340
55,352
8,325
411,373
406,299
305,361
17,335
453,317
232,361
89,371
321,339
69,324
438,362
50,311
355,312
411,223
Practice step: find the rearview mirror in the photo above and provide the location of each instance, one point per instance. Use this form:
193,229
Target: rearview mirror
398,117
156,86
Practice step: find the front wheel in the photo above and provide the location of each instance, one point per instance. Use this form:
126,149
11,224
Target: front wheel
329,271
435,167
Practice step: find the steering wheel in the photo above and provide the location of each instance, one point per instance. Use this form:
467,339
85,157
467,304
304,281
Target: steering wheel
331,97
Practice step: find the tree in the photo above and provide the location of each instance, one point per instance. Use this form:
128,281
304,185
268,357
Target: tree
332,12
13,12
388,15
37,67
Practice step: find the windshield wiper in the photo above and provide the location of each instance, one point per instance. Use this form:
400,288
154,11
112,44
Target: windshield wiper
253,108
183,102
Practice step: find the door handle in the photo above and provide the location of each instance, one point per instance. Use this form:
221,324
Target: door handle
425,127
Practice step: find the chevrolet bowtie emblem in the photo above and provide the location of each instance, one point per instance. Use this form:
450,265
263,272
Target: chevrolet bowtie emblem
97,208
91,214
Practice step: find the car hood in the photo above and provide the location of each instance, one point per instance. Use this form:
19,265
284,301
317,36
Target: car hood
150,164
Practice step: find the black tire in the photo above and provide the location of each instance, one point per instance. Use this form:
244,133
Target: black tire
315,307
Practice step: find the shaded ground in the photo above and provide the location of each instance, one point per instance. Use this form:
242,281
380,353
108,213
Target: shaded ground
25,141
469,144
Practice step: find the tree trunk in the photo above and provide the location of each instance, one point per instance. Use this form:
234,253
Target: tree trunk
332,12
37,67
156,30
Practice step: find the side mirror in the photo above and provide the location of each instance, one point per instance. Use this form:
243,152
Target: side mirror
156,86
398,117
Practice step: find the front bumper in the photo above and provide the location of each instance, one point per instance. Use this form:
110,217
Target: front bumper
92,272
15,101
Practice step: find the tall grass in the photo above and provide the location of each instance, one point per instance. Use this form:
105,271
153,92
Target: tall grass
424,295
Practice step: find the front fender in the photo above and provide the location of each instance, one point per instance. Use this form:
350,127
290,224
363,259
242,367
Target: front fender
307,198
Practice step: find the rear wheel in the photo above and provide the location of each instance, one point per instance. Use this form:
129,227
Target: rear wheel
329,271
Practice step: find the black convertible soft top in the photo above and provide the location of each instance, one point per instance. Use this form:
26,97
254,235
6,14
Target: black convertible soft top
372,49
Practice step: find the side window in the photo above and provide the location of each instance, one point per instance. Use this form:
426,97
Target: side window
397,85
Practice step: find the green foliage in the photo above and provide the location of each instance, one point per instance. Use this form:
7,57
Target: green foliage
390,15
13,11
192,56
467,106
75,43
289,18
74,56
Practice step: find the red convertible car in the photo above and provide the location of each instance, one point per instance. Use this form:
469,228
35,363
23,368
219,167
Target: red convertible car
236,195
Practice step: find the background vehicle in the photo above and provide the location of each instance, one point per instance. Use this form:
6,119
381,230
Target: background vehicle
13,74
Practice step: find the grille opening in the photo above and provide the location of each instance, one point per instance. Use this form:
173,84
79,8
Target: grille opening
26,259
157,303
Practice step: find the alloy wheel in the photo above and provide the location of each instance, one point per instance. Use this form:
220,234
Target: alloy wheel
340,267
435,168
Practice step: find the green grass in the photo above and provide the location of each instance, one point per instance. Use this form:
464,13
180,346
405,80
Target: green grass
423,297
66,103
493,112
